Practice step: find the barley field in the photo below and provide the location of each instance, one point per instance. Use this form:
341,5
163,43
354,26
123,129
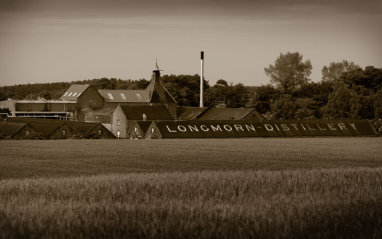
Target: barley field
226,188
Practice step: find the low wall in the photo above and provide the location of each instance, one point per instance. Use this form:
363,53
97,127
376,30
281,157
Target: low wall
236,129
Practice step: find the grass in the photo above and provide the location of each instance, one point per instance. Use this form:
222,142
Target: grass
232,188
66,158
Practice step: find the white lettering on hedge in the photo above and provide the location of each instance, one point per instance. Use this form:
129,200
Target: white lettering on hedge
342,126
227,127
237,127
182,128
268,127
204,128
193,128
170,130
285,127
250,127
320,127
331,127
216,128
310,127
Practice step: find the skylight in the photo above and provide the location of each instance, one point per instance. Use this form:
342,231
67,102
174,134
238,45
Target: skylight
139,96
65,93
70,93
123,96
110,96
75,94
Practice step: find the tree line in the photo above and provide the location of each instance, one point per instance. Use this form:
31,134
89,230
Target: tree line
346,90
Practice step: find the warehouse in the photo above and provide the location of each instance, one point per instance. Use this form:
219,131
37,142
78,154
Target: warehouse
238,129
125,116
138,129
17,130
57,129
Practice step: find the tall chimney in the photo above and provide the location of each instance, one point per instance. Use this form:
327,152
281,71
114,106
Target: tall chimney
201,78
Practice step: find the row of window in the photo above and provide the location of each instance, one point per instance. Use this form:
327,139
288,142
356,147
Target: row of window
109,94
70,94
123,96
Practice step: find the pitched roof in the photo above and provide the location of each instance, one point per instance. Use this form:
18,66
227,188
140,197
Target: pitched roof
44,126
73,92
81,127
152,112
224,113
120,96
10,128
102,111
189,113
273,128
144,125
159,92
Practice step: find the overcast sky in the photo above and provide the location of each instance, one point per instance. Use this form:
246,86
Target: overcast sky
53,41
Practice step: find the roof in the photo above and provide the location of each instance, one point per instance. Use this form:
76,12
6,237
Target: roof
47,126
74,92
10,128
189,113
120,96
159,92
102,111
44,126
214,113
152,112
81,127
144,125
285,128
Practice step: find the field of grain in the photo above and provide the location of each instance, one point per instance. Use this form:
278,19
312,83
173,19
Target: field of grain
228,188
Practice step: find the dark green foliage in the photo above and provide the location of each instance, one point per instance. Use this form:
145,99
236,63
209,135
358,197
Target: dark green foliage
346,91
262,97
184,88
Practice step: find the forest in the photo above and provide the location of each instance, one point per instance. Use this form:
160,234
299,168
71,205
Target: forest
346,90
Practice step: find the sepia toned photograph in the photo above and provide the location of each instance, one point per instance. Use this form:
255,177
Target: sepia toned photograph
190,119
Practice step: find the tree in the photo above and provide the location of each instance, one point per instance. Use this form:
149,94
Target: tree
289,72
378,104
334,71
238,97
339,102
284,107
262,97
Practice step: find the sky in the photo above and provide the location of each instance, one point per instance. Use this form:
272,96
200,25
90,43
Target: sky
44,41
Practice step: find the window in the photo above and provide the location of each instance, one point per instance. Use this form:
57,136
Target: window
152,130
118,134
63,133
27,133
110,96
123,96
135,129
99,132
118,122
139,96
